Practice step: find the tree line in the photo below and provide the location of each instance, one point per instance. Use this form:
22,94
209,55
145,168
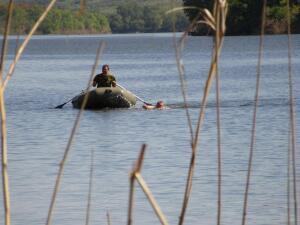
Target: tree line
127,18
245,16
58,20
133,17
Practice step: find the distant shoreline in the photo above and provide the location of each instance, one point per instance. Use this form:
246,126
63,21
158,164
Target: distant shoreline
162,34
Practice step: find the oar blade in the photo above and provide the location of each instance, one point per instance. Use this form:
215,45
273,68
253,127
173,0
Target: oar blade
60,106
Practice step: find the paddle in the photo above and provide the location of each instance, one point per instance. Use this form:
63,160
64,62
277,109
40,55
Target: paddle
62,105
134,95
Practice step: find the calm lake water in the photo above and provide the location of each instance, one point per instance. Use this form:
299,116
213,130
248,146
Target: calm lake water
56,68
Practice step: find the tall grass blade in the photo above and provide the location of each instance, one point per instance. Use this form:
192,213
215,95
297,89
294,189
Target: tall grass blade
68,147
135,175
131,199
4,160
288,187
181,71
87,220
292,115
108,218
219,35
136,169
151,199
256,99
5,179
218,10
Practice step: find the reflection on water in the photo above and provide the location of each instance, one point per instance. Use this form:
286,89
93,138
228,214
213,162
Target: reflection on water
55,69
233,104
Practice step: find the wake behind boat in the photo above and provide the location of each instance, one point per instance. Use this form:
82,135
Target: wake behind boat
106,97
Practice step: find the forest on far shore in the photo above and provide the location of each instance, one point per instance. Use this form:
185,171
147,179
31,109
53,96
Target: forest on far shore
127,18
245,16
132,16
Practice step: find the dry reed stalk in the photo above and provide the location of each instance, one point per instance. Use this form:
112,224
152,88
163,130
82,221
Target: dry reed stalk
256,98
288,178
87,220
182,78
75,126
2,102
136,169
208,20
290,126
219,18
292,114
219,154
131,199
140,160
136,175
217,23
181,71
194,146
4,160
219,201
25,43
180,66
151,199
5,180
108,218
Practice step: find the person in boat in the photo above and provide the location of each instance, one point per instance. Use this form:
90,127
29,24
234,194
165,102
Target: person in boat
104,79
158,105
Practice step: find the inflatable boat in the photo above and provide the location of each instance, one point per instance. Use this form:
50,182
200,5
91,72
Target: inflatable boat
106,97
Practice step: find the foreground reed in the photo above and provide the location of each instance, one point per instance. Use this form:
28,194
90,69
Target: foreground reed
74,129
136,175
292,122
87,219
216,21
256,99
5,179
4,82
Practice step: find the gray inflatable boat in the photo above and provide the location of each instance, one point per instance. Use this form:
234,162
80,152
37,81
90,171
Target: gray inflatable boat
106,97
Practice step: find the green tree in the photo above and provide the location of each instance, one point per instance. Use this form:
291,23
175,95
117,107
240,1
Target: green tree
129,19
178,19
19,20
59,20
296,23
52,23
68,21
103,23
3,14
91,22
152,18
133,17
244,16
116,23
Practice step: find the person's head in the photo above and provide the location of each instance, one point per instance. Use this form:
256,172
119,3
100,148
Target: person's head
160,104
105,69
